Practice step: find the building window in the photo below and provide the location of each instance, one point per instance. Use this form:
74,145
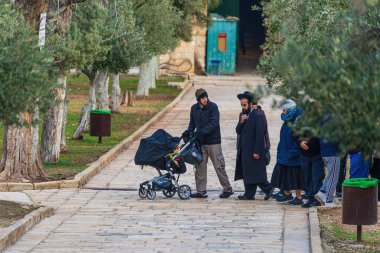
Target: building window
222,42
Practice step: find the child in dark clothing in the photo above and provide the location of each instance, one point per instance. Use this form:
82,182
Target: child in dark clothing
312,168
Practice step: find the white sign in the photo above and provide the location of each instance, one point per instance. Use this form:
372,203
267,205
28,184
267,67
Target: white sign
41,33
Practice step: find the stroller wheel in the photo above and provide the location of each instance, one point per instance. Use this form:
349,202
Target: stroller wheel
151,194
169,193
184,191
142,192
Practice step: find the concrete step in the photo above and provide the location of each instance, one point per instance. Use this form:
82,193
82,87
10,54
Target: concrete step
229,80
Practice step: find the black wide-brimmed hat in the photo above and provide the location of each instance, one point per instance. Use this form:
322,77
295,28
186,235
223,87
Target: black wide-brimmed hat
247,94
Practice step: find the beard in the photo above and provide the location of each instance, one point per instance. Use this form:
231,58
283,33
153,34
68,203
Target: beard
245,111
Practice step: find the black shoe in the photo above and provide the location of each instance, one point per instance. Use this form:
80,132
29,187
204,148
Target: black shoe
225,194
295,202
199,195
311,203
276,195
244,197
338,194
308,204
284,198
269,194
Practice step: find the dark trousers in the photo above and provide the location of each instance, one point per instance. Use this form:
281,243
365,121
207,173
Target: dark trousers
342,174
375,173
250,189
313,171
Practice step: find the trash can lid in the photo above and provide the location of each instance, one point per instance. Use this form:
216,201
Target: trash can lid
361,182
100,112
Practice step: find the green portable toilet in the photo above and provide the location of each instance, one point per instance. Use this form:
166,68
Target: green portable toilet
221,46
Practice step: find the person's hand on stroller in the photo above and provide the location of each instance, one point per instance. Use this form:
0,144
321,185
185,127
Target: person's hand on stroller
186,134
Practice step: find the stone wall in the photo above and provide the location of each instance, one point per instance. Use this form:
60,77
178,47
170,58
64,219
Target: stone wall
188,57
200,49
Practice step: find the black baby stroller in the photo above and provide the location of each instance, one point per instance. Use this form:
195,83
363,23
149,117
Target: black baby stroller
162,151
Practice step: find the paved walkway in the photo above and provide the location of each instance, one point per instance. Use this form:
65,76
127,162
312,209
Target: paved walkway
108,216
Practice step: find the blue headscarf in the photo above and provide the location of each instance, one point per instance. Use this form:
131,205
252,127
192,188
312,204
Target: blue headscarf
290,114
291,110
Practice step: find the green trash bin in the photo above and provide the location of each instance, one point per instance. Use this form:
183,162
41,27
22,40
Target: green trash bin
359,205
100,123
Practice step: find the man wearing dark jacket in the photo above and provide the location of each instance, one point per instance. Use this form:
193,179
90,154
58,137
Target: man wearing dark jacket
204,120
251,161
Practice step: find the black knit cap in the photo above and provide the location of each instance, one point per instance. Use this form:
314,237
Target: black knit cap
200,93
247,94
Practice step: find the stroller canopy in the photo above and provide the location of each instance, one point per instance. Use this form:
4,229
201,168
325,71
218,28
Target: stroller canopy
155,147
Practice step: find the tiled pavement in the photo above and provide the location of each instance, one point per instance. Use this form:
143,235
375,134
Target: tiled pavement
108,216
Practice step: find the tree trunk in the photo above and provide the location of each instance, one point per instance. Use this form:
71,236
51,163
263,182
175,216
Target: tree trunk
101,90
64,121
21,158
84,121
157,67
35,141
52,127
153,68
116,93
145,78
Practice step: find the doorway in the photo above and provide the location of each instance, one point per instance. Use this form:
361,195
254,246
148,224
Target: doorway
251,31
251,35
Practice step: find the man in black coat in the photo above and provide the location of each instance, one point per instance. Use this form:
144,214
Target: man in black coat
204,120
251,161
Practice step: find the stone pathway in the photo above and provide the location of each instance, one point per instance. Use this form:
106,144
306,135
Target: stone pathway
108,216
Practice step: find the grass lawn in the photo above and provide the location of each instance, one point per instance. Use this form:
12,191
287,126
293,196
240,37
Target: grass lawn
11,212
81,153
342,238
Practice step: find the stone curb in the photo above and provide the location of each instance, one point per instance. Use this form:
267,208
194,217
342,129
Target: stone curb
83,177
12,233
315,232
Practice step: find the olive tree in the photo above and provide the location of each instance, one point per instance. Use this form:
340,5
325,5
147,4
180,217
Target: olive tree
326,56
26,83
159,21
118,45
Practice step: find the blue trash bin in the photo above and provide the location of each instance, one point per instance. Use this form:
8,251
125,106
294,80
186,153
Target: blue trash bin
215,67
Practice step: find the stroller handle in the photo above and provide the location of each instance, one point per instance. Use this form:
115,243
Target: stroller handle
191,141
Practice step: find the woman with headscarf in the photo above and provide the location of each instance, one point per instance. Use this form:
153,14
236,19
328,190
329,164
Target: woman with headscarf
287,174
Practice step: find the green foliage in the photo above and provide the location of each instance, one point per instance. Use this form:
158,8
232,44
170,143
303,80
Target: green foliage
213,4
103,36
119,34
25,71
305,22
124,38
190,13
83,44
327,57
159,20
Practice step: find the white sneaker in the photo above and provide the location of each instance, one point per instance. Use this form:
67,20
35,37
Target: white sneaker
329,204
321,197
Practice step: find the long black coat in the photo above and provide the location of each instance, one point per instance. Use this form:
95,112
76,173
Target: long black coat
251,141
